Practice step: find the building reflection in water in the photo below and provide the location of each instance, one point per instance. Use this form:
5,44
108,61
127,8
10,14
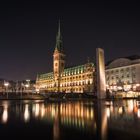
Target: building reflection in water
42,110
86,116
56,125
26,113
101,119
37,110
108,112
78,115
5,113
123,109
138,113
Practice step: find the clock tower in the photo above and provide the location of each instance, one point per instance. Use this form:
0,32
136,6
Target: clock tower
58,61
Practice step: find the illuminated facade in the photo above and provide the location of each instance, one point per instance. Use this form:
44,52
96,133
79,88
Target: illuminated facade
123,74
73,79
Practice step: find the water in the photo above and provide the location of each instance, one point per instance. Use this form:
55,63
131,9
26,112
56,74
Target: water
83,120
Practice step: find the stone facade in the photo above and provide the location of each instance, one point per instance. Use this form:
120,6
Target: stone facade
73,79
123,73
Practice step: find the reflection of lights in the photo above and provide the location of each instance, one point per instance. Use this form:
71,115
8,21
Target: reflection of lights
82,123
26,113
120,110
87,114
76,121
42,110
130,106
61,109
103,124
91,114
70,113
78,112
79,123
53,111
5,115
138,113
36,110
33,109
135,109
108,112
95,125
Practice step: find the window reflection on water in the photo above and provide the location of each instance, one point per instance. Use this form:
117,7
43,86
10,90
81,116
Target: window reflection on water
89,116
5,114
26,113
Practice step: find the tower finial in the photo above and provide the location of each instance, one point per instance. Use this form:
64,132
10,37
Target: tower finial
59,33
88,59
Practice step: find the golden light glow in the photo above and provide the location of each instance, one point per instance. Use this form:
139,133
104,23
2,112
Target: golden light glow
120,110
138,113
108,112
26,113
36,110
42,110
5,115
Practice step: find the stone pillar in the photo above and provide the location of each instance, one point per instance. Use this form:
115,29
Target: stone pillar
101,120
100,73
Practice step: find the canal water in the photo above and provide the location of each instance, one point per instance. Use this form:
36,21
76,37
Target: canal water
71,120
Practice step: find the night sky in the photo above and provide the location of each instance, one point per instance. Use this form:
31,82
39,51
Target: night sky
28,34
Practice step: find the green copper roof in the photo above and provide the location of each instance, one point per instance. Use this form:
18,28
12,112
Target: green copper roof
46,76
81,67
59,40
72,71
76,69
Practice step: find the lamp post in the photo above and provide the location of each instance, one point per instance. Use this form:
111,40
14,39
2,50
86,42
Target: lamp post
27,85
6,84
27,88
22,89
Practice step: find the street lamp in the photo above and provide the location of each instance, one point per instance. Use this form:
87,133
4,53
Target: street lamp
6,84
22,89
27,89
27,85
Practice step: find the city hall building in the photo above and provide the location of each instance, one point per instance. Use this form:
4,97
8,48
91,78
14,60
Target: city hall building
123,74
77,79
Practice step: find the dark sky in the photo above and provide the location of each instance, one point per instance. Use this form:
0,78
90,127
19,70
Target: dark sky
28,32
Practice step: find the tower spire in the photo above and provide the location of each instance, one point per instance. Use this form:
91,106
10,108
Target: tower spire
59,33
59,40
